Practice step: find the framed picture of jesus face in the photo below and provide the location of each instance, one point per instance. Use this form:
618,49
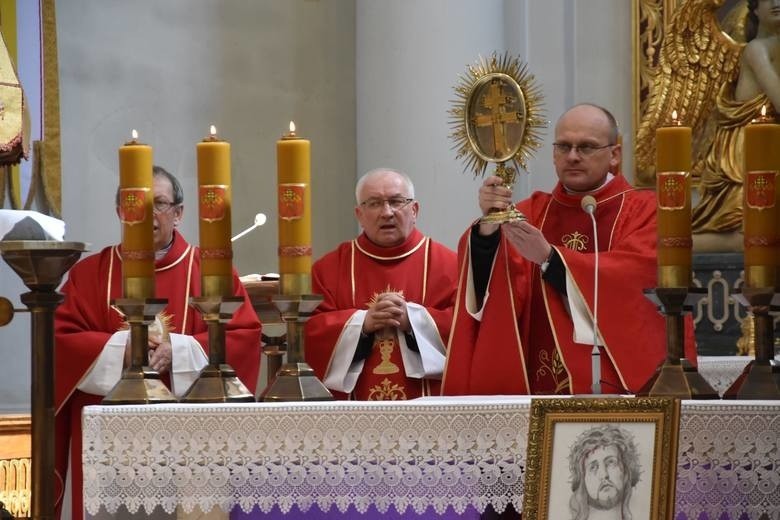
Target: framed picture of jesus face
601,458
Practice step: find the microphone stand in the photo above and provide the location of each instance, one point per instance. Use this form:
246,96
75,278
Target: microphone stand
588,204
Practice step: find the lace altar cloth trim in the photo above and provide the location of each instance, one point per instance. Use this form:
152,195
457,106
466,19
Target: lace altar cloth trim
729,460
404,455
722,371
432,452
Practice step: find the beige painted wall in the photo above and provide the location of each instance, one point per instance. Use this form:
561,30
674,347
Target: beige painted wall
172,68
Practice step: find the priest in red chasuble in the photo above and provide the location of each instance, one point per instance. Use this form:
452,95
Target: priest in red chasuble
381,330
91,338
524,315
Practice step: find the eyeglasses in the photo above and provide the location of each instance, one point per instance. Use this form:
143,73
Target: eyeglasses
585,150
395,203
163,206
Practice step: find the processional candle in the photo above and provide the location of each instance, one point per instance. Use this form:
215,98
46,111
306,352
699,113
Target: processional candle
214,211
760,202
136,199
293,163
673,188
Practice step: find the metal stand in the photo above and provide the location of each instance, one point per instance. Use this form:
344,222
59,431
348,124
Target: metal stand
274,339
41,264
274,349
676,376
217,382
139,383
761,377
296,381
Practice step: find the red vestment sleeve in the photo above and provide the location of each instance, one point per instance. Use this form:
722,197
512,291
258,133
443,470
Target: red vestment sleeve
487,357
324,327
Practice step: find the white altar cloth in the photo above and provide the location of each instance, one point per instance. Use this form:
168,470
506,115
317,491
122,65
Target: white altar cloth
413,455
721,371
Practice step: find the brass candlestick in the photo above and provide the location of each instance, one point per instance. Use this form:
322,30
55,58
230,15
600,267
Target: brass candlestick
217,382
761,377
41,264
139,383
676,376
273,338
296,380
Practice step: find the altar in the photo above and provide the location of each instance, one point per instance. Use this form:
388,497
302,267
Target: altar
435,457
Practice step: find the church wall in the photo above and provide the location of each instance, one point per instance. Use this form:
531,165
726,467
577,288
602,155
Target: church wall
368,81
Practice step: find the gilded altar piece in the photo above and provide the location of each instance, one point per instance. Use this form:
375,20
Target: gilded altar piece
718,84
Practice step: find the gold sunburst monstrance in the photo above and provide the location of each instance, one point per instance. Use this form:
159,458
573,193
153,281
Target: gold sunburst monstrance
497,118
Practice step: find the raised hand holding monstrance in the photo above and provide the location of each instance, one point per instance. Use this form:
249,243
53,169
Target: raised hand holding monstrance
497,119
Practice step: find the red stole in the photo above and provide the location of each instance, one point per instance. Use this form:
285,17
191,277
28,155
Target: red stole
383,377
568,228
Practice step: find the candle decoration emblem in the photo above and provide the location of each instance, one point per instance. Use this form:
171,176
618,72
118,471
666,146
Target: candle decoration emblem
760,192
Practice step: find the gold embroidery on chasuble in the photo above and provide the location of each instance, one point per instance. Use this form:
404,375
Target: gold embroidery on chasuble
575,241
387,391
550,369
385,360
385,345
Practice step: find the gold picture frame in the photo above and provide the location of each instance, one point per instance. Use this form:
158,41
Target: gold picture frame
579,445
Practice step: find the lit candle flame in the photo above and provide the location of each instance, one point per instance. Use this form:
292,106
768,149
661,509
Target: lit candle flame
763,110
213,131
134,134
292,127
674,116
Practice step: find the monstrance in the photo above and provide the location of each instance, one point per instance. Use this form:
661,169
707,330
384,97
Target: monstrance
497,118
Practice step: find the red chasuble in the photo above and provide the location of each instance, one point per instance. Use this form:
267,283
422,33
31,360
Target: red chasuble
350,277
85,322
524,343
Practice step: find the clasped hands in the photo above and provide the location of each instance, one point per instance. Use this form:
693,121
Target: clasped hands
388,311
160,352
527,239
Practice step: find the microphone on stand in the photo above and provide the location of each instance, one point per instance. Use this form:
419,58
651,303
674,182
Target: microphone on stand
588,204
260,219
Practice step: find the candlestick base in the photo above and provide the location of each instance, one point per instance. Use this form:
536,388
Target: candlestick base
761,377
139,383
676,376
296,380
217,382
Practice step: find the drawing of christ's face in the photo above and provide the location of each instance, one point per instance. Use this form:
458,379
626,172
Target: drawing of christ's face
604,477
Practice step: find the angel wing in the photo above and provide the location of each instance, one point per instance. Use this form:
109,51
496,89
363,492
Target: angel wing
696,58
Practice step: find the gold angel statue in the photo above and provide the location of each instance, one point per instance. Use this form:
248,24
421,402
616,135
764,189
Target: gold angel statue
718,65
